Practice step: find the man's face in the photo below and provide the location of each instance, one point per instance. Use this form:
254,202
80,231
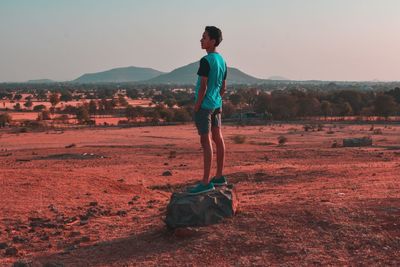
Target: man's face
206,42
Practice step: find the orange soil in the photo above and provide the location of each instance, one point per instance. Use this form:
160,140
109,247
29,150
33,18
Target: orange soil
301,203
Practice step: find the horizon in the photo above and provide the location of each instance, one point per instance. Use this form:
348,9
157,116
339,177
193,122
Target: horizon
301,41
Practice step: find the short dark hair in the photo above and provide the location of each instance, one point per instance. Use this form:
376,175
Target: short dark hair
215,34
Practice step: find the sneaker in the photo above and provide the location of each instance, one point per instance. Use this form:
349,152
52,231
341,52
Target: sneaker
219,181
201,188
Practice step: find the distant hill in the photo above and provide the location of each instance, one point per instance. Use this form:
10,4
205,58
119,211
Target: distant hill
278,78
41,81
127,74
187,75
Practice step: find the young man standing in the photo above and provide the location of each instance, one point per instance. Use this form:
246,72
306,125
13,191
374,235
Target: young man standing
210,88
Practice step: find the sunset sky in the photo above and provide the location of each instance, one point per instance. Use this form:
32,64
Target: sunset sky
297,39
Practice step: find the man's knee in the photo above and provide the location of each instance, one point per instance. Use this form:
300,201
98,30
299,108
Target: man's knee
216,135
205,140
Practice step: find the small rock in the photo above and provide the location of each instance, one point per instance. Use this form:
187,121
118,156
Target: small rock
44,237
53,264
52,208
19,239
166,163
167,173
22,263
74,233
3,245
135,198
11,251
85,238
122,213
71,145
93,203
121,180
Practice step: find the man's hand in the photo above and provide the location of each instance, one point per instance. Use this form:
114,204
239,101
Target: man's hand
197,107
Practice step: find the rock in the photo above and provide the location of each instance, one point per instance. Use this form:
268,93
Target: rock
200,210
69,146
357,142
121,213
53,264
3,245
11,251
93,203
74,233
85,239
44,237
167,173
22,263
19,239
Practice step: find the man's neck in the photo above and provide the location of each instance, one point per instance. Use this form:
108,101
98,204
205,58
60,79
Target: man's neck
211,50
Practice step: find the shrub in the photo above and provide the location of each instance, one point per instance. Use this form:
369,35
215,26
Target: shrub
239,139
5,118
282,140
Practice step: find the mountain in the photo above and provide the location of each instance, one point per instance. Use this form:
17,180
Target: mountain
41,81
127,74
187,75
278,78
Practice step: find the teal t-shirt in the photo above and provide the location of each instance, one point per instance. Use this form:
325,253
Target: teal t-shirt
214,67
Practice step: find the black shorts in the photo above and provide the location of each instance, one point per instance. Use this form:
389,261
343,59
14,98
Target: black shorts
207,118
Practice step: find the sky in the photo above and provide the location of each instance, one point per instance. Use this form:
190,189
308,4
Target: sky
350,40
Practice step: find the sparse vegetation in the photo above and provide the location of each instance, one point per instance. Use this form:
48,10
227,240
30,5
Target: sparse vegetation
239,139
282,140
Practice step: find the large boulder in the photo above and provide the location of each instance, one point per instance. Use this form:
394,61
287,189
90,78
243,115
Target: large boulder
204,209
357,142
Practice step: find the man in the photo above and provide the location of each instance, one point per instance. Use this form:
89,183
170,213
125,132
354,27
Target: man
210,88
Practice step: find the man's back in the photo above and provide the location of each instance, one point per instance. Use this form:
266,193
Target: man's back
213,67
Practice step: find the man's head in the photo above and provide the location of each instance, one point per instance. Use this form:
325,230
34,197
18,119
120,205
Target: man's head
212,37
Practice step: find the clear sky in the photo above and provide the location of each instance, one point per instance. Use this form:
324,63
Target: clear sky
297,39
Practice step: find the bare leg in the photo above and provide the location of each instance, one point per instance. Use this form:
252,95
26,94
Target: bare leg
208,155
220,144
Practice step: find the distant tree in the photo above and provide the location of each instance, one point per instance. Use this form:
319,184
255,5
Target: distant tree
228,109
54,99
5,119
82,115
182,115
283,106
17,106
66,96
18,97
345,109
122,100
395,93
308,106
235,99
132,93
42,95
262,103
39,107
326,108
44,115
92,107
133,112
166,114
28,104
385,105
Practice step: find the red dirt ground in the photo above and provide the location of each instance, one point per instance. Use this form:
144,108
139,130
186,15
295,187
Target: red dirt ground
302,203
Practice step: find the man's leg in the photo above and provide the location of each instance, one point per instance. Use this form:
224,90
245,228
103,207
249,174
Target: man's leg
208,155
220,144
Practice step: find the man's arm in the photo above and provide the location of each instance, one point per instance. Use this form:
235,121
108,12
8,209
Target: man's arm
202,93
